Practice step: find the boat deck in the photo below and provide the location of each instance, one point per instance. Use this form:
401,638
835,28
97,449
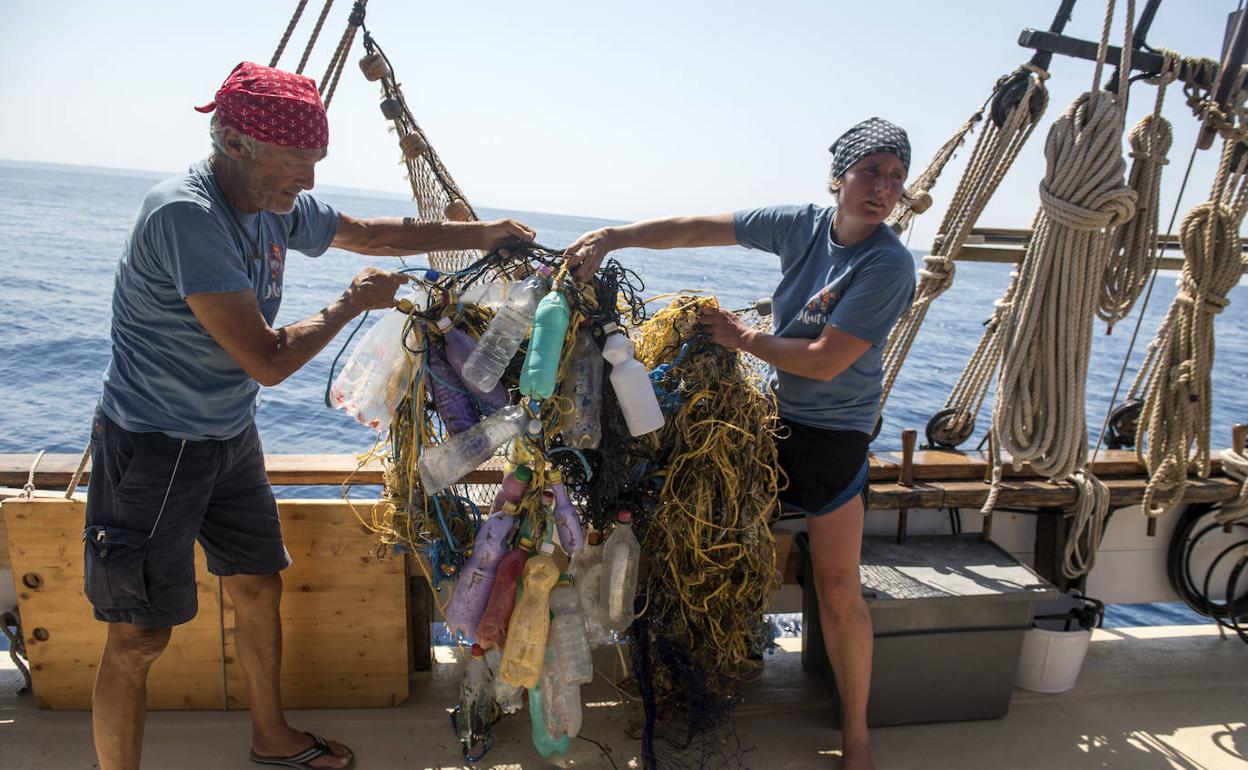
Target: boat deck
1149,698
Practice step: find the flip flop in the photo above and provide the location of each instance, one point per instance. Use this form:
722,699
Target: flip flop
303,760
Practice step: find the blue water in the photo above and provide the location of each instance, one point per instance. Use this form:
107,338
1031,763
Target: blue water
62,230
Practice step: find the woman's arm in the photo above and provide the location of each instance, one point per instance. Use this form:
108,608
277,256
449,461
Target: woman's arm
588,251
821,358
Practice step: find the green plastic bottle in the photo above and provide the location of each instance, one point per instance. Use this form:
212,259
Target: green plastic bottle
541,363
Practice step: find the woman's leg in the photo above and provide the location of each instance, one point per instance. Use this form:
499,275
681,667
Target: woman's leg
835,547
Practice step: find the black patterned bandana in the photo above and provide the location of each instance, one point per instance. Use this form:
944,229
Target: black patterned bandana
869,136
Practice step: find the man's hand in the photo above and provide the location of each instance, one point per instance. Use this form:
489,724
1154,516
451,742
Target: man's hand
504,232
587,252
725,328
374,289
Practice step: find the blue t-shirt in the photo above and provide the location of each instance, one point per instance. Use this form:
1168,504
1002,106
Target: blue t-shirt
167,374
861,289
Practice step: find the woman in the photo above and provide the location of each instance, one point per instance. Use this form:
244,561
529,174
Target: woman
845,279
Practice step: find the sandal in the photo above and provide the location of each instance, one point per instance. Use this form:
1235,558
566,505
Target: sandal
303,760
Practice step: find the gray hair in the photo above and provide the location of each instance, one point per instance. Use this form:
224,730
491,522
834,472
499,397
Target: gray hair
216,131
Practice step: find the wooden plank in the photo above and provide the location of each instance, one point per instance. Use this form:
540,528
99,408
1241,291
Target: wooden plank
45,545
344,615
1032,494
1013,254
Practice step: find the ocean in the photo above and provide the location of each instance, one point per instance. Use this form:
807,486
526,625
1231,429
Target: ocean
62,230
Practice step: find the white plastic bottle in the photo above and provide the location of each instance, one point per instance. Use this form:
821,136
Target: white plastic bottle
502,338
631,383
583,387
567,634
475,700
620,557
450,461
509,698
377,375
561,699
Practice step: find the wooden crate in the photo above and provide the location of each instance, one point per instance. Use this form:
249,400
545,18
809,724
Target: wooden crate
344,616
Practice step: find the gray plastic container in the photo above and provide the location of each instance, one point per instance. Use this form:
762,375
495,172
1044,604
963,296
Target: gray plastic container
949,614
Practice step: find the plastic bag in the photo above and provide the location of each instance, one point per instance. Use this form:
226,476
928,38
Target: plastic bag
377,375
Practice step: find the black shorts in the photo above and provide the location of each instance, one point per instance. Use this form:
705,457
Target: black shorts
826,468
150,497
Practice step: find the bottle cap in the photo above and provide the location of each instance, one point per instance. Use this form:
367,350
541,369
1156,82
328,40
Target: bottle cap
595,537
625,517
609,327
565,577
554,477
544,270
477,652
432,275
444,323
548,498
548,547
522,473
525,543
510,509
535,427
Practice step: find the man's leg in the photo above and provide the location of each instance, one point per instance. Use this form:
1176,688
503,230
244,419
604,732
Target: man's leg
259,641
835,548
119,701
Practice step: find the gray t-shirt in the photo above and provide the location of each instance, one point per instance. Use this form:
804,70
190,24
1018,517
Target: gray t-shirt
861,290
167,374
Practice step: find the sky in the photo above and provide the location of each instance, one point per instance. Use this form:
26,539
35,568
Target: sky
620,111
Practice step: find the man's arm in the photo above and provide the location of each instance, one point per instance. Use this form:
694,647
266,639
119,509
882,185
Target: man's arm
588,251
399,237
821,358
271,355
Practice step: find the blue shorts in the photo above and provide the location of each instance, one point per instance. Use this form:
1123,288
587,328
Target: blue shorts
150,497
825,468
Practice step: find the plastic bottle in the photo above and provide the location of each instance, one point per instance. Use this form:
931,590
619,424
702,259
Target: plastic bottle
586,569
631,383
582,385
450,461
492,630
473,717
472,590
514,483
561,700
454,405
491,294
541,362
567,519
542,741
620,556
377,375
458,347
494,351
567,634
530,623
509,698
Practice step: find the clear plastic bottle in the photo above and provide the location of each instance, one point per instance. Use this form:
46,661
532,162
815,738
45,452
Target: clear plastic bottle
455,406
492,630
377,375
515,481
491,294
475,712
530,623
542,741
582,385
567,518
620,557
567,634
561,699
586,572
502,338
541,361
450,461
472,590
509,698
631,383
458,347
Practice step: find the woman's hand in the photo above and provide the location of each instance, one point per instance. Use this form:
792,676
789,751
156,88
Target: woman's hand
725,328
504,232
587,252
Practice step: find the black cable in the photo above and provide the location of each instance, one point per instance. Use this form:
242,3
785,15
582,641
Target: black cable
1187,537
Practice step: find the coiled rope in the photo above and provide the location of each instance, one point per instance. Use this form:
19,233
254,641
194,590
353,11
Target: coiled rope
1038,413
994,153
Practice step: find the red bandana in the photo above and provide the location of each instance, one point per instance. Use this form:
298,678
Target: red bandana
273,106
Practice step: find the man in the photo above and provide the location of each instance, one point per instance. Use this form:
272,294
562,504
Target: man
176,456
